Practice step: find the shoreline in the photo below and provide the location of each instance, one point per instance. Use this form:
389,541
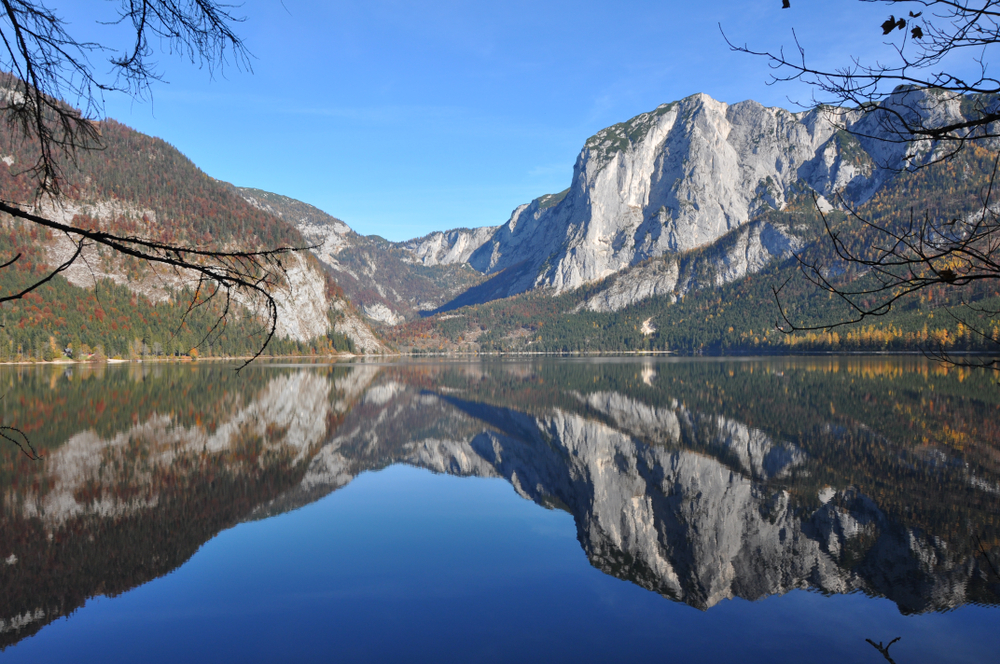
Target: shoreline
470,354
182,359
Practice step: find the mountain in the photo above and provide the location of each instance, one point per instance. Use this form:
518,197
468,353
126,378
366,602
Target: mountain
390,282
673,204
686,175
140,185
678,231
668,181
677,227
665,182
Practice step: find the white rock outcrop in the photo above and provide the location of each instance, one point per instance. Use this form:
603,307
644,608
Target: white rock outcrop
448,247
678,178
689,174
656,279
350,324
747,250
302,302
329,235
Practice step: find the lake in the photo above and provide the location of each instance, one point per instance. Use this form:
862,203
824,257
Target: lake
610,509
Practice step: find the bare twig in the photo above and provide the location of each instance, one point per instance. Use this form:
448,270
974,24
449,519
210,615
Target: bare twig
935,30
16,436
884,649
53,75
252,274
982,549
900,260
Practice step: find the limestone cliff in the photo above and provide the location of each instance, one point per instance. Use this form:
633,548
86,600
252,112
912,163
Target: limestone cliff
689,174
448,247
696,174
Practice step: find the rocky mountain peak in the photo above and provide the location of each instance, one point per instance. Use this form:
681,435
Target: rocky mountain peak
665,182
691,174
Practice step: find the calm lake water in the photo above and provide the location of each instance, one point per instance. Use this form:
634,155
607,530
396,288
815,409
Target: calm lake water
759,510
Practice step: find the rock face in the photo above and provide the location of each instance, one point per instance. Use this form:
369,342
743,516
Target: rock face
745,251
690,174
665,182
302,304
302,300
350,324
388,282
318,228
448,247
656,279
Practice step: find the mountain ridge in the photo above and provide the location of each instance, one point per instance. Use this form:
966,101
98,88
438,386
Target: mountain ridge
692,197
682,178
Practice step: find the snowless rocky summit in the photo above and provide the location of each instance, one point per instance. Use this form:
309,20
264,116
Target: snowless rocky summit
684,176
690,172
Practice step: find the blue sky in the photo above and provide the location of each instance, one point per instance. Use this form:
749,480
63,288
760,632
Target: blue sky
406,117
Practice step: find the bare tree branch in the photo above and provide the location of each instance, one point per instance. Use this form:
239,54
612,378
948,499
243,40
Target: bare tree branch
18,438
53,75
47,74
52,71
884,649
930,31
934,114
252,275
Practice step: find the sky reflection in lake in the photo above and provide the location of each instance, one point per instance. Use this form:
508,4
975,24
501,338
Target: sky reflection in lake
638,476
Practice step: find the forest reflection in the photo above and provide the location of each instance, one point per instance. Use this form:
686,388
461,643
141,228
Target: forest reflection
699,480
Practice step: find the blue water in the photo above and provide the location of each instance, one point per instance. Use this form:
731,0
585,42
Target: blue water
407,565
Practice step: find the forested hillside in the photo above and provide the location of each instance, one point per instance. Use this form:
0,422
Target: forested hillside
134,184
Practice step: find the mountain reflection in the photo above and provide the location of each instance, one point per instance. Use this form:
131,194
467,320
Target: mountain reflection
700,481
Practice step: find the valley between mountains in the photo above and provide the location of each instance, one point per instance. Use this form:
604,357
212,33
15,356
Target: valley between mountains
676,228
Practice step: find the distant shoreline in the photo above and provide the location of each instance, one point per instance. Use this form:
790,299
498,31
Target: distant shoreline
469,354
183,359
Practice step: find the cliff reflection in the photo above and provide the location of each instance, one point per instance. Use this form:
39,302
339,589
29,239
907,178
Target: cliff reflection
709,480
700,481
172,456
